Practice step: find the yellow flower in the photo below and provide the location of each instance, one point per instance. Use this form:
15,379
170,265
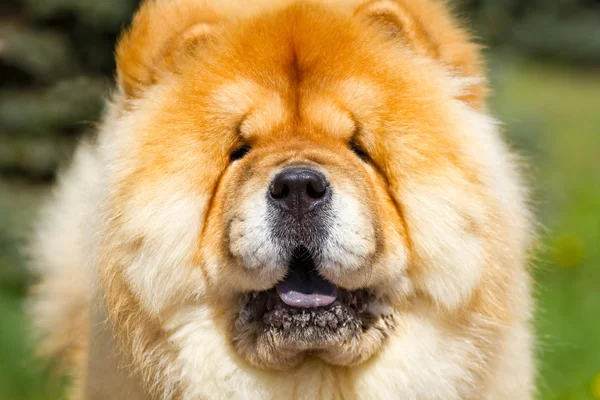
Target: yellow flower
568,250
596,386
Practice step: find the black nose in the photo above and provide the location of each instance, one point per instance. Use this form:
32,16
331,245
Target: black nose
299,190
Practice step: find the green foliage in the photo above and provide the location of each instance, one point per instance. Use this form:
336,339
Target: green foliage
55,67
573,40
44,55
565,30
53,110
105,15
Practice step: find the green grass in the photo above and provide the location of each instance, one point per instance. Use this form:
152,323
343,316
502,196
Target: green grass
552,116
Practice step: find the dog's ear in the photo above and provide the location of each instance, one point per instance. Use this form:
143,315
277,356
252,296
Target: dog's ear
162,34
428,29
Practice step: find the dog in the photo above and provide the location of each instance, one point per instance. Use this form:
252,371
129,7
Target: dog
291,200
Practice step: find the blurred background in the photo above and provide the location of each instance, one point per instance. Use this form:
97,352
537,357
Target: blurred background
56,65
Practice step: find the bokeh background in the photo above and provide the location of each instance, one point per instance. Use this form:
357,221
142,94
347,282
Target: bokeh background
56,65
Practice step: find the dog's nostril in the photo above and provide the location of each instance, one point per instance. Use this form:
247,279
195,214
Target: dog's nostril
316,189
298,190
279,190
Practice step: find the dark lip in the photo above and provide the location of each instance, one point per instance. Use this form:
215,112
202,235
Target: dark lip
268,309
302,263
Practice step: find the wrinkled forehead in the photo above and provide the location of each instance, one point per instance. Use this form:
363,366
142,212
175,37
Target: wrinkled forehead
312,110
304,74
300,74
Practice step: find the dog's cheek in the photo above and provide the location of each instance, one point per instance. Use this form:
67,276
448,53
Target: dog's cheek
449,251
255,259
390,270
351,244
236,249
165,223
249,237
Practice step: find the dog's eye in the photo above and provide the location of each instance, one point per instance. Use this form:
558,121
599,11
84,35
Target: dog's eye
359,151
239,153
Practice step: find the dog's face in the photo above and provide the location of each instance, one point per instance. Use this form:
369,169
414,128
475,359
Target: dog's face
304,175
303,227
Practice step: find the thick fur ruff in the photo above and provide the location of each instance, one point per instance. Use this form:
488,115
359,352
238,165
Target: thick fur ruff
163,226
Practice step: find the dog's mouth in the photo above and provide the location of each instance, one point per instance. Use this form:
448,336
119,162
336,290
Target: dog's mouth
306,306
303,287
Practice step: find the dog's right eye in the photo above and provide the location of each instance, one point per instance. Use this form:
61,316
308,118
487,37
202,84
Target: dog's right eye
239,153
359,151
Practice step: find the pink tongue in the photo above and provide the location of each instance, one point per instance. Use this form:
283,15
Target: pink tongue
306,290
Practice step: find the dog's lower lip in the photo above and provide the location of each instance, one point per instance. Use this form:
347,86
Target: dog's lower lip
304,298
269,300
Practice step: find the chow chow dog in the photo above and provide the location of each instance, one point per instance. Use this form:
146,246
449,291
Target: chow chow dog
290,200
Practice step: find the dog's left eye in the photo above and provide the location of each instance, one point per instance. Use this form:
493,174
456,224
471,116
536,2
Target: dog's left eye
239,153
359,151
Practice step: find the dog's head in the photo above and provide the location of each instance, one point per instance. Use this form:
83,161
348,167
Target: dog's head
302,173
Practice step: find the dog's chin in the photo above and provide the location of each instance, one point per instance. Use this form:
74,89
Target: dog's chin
306,315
